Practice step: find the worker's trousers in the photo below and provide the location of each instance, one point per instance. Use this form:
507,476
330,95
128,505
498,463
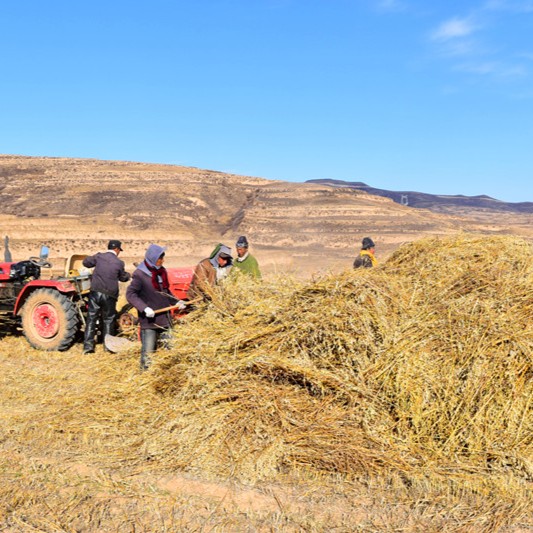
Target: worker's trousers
103,307
149,338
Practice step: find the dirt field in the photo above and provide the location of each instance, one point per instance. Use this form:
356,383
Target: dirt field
89,443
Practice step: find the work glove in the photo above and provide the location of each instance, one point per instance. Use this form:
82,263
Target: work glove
149,312
181,305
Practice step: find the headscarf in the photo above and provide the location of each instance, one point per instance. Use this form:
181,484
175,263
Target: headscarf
222,250
157,273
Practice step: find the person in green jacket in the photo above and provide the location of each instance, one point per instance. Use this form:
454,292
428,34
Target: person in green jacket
244,261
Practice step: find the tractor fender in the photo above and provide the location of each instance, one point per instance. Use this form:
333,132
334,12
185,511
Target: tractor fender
179,279
63,286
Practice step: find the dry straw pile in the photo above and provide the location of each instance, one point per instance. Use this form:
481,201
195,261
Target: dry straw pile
420,369
409,386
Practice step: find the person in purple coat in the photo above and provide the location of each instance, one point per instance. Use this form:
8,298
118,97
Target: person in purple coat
148,292
108,271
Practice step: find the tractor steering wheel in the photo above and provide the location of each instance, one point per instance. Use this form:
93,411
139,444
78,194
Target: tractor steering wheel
38,262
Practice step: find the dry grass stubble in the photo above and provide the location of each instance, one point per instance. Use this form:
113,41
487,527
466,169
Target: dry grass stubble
392,399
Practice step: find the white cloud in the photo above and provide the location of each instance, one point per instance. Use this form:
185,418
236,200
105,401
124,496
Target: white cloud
391,5
523,95
460,47
515,6
473,42
493,69
453,29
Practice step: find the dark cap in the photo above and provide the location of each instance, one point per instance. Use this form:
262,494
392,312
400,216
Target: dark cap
368,243
114,244
224,255
242,242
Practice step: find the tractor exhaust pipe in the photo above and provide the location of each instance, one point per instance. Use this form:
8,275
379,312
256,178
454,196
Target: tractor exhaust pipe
7,252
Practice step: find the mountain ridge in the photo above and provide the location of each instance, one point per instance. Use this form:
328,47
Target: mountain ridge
76,205
434,202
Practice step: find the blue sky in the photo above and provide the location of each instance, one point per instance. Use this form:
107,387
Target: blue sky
434,96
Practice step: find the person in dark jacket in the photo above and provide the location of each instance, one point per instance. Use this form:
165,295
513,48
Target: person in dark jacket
108,271
208,272
366,258
148,292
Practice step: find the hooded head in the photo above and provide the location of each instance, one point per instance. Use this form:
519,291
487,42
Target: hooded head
223,252
368,243
153,253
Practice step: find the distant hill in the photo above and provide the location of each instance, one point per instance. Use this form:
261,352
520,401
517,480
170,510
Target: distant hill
435,202
76,205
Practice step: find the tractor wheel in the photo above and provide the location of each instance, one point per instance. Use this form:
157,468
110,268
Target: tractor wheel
127,322
50,320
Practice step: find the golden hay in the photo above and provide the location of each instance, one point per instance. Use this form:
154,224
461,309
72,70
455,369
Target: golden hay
410,384
423,364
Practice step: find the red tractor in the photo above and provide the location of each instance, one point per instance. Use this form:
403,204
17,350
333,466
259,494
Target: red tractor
51,312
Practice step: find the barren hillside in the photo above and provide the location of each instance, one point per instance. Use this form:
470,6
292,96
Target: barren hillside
76,205
438,203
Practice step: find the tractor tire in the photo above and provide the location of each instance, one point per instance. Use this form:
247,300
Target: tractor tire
50,320
128,322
